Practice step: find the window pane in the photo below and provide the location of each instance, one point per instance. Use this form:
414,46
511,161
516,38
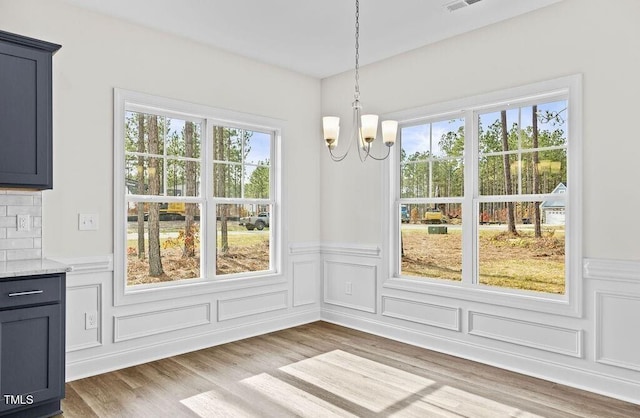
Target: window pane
524,259
227,144
447,178
256,182
434,178
163,242
243,238
183,178
447,138
414,180
550,167
431,241
257,147
227,180
144,133
431,159
491,131
144,175
183,138
552,123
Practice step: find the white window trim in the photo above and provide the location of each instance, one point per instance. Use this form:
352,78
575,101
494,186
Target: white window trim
123,294
569,304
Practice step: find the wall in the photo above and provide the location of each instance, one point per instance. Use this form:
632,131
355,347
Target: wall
98,54
597,350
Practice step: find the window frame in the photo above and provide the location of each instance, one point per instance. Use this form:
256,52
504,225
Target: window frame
569,304
126,100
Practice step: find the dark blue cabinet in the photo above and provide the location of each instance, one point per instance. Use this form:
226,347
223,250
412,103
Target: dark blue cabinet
32,314
25,112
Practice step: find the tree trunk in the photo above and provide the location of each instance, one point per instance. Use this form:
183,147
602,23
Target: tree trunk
155,263
536,175
511,224
140,205
189,249
222,189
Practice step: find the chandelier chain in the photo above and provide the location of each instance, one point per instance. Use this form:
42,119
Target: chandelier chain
357,92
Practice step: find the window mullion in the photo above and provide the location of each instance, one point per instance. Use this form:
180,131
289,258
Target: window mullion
469,206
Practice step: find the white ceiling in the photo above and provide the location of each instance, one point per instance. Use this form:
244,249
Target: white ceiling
312,37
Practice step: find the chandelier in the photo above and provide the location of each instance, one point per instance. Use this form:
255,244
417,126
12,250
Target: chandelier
365,127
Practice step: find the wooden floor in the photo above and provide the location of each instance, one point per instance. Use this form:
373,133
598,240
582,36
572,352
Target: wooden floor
324,370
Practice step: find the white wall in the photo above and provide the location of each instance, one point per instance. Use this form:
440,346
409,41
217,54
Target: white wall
99,53
598,350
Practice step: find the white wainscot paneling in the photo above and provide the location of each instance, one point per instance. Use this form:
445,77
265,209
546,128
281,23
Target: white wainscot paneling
528,334
617,339
305,282
128,327
81,301
350,285
423,313
251,305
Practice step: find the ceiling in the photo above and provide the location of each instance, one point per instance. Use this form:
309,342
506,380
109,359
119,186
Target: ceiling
313,37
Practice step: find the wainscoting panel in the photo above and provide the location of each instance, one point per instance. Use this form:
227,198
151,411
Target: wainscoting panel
528,334
617,343
423,313
305,282
85,299
128,327
251,305
351,285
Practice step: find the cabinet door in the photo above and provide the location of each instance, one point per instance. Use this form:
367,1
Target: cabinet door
31,356
25,117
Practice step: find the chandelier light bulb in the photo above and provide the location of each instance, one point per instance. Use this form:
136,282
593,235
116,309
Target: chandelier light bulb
389,132
331,128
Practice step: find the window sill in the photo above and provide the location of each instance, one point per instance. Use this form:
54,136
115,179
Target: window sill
188,288
531,301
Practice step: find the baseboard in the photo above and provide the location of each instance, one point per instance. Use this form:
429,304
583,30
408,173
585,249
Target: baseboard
607,385
115,360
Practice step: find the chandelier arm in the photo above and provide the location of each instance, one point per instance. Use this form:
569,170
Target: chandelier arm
339,157
383,158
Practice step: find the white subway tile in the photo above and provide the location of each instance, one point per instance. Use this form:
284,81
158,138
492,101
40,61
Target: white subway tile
16,243
8,222
16,200
33,233
23,254
24,210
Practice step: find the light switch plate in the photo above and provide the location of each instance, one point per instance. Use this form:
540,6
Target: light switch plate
88,221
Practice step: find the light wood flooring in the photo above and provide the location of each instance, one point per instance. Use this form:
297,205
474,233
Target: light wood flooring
324,370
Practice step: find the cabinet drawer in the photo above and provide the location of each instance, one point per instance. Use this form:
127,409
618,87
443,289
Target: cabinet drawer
32,291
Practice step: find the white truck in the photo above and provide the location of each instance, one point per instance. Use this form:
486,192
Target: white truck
256,222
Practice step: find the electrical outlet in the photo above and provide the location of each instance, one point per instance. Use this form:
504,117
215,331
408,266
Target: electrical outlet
348,288
91,320
87,221
24,222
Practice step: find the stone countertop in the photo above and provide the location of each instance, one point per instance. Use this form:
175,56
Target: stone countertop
18,268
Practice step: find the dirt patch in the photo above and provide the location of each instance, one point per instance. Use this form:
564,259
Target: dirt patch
176,267
519,262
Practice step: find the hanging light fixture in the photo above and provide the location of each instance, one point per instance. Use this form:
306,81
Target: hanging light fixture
365,127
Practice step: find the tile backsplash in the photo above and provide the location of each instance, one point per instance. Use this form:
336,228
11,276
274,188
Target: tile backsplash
14,244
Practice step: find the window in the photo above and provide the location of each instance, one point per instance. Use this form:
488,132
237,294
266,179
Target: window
487,198
195,194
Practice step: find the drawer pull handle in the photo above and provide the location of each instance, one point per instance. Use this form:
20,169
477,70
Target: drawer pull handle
30,292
